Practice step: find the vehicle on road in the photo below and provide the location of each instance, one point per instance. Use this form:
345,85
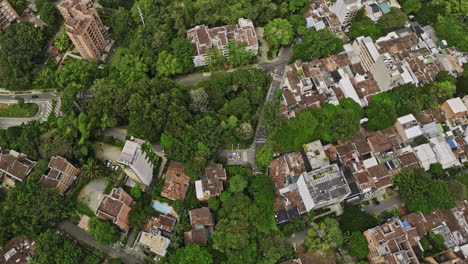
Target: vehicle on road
35,96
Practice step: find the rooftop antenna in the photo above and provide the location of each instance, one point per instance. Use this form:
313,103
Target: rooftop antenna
141,15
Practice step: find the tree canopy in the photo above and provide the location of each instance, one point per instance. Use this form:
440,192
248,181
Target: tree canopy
22,45
393,19
323,237
104,232
423,194
278,32
317,44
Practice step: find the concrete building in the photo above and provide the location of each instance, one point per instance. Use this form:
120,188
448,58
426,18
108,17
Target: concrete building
316,156
7,14
137,165
212,184
85,28
205,39
455,111
443,152
426,155
15,165
346,10
323,187
116,207
367,52
62,175
408,128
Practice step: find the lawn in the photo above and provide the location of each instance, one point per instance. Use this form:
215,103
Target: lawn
115,59
17,110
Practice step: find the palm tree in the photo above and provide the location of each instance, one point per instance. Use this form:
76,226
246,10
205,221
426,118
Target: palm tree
92,170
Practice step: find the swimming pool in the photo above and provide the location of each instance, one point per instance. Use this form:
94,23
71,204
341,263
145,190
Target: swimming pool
163,208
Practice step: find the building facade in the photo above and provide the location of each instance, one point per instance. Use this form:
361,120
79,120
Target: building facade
85,28
7,14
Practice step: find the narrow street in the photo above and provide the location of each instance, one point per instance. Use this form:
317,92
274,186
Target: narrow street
83,237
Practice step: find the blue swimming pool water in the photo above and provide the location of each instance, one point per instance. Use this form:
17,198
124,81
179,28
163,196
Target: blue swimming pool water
165,209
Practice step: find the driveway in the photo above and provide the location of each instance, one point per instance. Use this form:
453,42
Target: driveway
44,100
391,203
92,193
83,237
108,152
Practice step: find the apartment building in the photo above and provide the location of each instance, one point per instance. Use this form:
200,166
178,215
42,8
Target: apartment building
85,28
346,10
204,39
7,14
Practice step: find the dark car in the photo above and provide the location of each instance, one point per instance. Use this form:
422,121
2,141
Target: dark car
376,203
35,96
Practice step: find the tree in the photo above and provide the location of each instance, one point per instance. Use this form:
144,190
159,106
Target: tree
244,132
323,237
63,42
296,5
135,192
213,204
104,232
120,23
381,112
457,189
278,32
342,121
443,90
92,170
47,11
423,194
412,6
264,156
437,171
193,254
364,26
299,24
30,209
269,116
167,64
55,248
199,100
317,44
453,31
21,52
357,245
183,51
355,220
392,20
238,55
237,183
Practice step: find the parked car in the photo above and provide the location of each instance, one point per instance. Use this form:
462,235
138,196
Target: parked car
376,203
107,163
35,96
115,167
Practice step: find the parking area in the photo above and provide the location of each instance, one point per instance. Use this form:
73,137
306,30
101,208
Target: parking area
107,152
92,193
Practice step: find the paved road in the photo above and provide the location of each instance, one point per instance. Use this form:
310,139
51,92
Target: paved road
391,203
82,236
44,100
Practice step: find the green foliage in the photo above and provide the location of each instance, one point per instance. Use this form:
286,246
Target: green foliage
269,116
458,189
237,183
355,220
183,51
120,23
296,5
30,210
193,254
453,31
92,170
318,44
412,6
55,248
214,204
381,112
299,24
364,26
238,55
357,245
21,53
167,65
49,14
423,194
392,20
342,121
264,156
323,237
104,232
142,209
437,171
135,192
278,32
62,42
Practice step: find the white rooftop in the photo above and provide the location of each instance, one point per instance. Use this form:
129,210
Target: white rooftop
347,87
199,189
457,105
425,155
413,132
370,162
406,119
443,152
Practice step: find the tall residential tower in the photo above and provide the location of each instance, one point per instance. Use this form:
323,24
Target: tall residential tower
85,28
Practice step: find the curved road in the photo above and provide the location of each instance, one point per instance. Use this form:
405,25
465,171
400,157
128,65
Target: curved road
44,100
